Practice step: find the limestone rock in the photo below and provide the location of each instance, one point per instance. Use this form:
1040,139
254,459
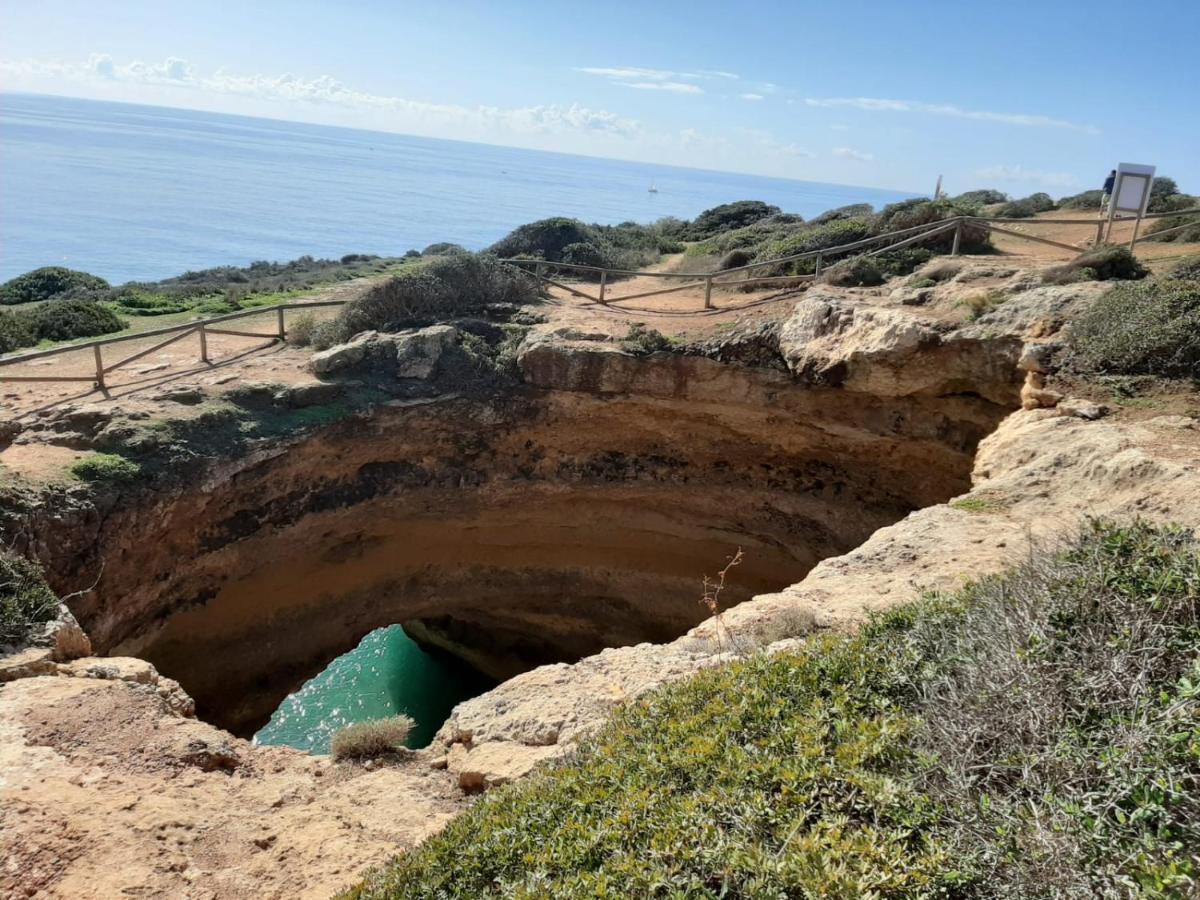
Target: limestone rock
313,393
27,663
418,352
1081,409
496,763
342,356
112,668
65,638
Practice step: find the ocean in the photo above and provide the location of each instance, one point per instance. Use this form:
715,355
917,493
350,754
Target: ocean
133,192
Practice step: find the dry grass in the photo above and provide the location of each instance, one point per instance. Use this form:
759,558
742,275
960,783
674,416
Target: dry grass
367,740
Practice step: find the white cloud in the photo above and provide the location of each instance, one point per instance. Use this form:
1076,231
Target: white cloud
326,91
851,153
674,87
876,104
1028,176
655,79
752,97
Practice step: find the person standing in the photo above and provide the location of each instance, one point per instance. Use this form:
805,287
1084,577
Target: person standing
1108,189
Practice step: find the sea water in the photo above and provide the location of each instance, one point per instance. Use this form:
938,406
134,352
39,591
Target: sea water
133,192
387,674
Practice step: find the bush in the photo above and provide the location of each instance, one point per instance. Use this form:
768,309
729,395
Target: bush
922,211
47,282
853,211
63,320
300,330
860,272
643,340
984,197
26,601
1187,269
1027,207
442,248
107,468
1187,235
1100,264
1084,200
440,288
16,330
727,217
367,740
624,246
1031,735
735,259
1151,328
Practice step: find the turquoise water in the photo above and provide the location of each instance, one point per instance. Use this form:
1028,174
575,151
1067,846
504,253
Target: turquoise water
140,192
386,674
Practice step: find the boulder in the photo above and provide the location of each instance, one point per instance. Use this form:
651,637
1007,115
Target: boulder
26,663
418,352
313,393
342,356
495,763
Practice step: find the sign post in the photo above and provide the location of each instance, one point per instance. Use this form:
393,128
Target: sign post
1130,194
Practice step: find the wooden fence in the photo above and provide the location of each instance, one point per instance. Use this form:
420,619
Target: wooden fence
892,240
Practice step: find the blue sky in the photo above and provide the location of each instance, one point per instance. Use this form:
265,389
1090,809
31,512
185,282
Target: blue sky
1022,95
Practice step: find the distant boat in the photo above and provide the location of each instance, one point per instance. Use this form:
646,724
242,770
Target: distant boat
653,189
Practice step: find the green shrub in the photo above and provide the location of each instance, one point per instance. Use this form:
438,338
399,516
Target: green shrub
63,320
1033,734
26,601
1174,203
1099,264
922,211
1027,207
984,197
641,339
1084,200
16,330
1188,235
1152,328
727,217
439,288
1187,269
735,259
367,740
47,282
442,248
624,246
106,468
904,261
853,211
860,272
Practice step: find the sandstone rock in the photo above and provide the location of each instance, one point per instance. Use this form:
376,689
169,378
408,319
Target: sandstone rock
314,393
206,748
1038,357
342,356
496,763
187,395
175,697
26,663
113,668
417,353
1081,409
65,638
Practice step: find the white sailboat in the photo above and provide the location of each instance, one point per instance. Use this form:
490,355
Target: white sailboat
653,189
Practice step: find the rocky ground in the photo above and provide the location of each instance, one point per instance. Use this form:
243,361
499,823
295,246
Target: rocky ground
109,786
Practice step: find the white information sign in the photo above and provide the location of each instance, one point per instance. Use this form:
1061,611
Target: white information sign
1131,192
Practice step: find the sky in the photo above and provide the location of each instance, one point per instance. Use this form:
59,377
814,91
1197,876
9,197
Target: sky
1022,96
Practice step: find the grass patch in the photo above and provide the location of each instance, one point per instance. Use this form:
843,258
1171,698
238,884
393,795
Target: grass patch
26,601
1151,328
1034,734
1100,264
367,740
981,303
643,340
980,503
108,468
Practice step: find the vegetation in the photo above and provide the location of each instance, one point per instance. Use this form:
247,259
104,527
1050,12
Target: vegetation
1027,207
1100,264
624,246
1152,328
367,740
55,320
1083,200
1032,735
437,288
859,272
1187,235
47,282
641,339
26,601
980,198
107,468
727,217
1187,269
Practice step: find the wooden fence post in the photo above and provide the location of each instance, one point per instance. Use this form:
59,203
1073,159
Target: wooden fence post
282,330
1099,234
708,292
957,238
99,367
203,344
817,268
603,281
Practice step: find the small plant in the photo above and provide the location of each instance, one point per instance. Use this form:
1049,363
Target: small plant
368,740
735,259
710,597
980,503
983,302
1152,328
300,330
1100,264
1187,269
643,340
26,601
860,272
106,468
922,283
